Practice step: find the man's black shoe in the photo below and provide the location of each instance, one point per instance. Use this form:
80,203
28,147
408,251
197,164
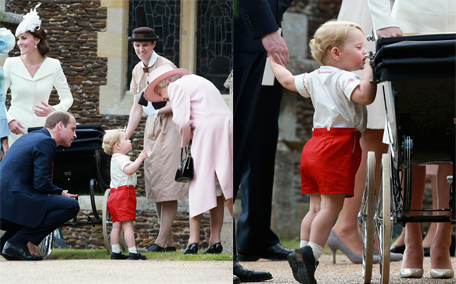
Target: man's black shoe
236,279
249,275
115,255
303,265
276,252
12,252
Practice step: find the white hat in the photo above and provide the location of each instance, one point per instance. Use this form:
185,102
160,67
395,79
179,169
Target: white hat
31,22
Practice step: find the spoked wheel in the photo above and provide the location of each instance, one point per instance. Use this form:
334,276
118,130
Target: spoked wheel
366,217
107,225
383,219
46,246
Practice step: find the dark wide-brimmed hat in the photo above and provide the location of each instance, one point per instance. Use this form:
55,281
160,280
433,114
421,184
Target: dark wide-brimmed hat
157,76
143,34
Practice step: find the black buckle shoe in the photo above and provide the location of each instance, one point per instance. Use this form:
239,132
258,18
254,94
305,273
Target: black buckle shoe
215,248
119,255
136,256
191,249
249,275
303,265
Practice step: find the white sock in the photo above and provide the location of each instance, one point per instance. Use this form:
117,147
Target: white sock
303,243
316,249
115,248
132,249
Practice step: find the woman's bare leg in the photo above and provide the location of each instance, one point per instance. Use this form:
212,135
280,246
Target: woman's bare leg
347,227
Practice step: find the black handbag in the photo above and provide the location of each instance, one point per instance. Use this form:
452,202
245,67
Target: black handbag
184,172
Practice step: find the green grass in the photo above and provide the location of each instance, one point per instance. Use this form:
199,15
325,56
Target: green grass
102,254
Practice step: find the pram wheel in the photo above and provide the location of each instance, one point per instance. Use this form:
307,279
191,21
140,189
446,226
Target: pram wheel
383,219
107,225
46,246
366,217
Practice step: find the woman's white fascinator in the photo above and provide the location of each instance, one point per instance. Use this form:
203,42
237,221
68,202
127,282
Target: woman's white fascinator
7,41
30,23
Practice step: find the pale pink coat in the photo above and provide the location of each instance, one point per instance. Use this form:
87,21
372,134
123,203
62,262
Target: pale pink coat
201,114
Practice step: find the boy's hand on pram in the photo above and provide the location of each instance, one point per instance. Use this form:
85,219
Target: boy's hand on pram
143,155
65,193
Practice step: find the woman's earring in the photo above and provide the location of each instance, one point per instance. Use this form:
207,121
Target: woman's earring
35,46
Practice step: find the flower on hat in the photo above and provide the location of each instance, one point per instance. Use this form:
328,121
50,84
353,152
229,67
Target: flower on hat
7,41
30,23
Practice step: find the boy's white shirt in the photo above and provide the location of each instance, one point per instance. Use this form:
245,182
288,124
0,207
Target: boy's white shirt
324,86
118,177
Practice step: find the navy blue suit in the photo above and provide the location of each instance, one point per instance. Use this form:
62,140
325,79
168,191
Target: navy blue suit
30,205
256,113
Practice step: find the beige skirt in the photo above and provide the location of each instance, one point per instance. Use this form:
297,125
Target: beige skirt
162,142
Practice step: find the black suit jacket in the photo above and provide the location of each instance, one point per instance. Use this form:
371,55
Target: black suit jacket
25,179
254,19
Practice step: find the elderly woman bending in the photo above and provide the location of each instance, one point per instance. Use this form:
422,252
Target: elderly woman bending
202,115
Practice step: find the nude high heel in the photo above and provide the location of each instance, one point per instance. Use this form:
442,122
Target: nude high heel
335,243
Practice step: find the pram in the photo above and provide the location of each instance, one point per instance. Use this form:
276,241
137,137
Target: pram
418,75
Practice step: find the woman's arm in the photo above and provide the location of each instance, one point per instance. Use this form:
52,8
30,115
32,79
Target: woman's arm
165,109
65,96
181,115
135,116
285,78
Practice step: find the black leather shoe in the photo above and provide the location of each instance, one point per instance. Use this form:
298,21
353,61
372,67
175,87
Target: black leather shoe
276,252
398,249
12,252
215,248
136,256
236,279
249,275
303,265
36,257
170,249
155,248
119,255
191,249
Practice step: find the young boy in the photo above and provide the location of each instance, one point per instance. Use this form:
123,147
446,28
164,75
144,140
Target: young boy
122,200
331,157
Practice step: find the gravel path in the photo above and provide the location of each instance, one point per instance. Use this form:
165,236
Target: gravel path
152,271
115,271
343,271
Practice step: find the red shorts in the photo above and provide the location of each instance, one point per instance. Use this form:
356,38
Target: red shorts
122,203
330,160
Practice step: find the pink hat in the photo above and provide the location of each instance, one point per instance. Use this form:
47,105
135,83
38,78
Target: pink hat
157,76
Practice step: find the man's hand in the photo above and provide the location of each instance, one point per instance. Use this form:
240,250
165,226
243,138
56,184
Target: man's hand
65,193
276,47
389,32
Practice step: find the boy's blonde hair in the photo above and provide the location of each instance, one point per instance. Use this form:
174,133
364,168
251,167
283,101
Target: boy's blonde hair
331,34
110,138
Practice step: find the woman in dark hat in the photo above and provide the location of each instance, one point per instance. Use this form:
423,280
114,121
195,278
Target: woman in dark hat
161,140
